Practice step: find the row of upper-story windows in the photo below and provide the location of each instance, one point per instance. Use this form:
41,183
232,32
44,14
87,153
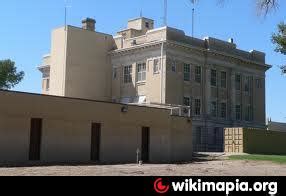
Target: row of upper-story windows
219,110
141,71
141,76
127,73
247,85
222,107
248,114
188,101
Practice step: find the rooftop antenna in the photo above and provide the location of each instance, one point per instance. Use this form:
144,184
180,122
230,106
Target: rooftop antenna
66,12
193,17
141,10
165,12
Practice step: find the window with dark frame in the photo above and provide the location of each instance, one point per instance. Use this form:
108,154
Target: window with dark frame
174,66
141,72
147,25
156,66
238,82
223,110
48,84
213,77
214,109
128,74
247,84
248,113
187,101
258,83
198,74
187,72
223,79
199,135
197,107
238,112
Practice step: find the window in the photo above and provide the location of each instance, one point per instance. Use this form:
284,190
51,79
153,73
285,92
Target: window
213,77
199,135
223,79
258,83
174,66
238,112
223,110
197,107
128,74
156,66
248,113
198,74
114,74
147,25
238,82
141,72
216,135
214,109
187,72
187,101
47,84
247,84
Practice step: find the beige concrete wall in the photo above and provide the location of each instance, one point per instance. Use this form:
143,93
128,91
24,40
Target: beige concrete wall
58,62
14,137
88,69
64,140
66,131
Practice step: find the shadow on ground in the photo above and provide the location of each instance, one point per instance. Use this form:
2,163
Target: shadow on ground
197,158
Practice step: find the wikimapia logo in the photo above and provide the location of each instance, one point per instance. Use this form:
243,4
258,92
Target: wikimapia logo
199,186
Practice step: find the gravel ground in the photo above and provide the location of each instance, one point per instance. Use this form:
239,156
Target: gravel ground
217,167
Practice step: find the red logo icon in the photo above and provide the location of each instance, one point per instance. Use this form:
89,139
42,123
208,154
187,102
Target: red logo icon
159,187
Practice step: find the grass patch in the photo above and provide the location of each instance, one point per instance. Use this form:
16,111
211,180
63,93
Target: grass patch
254,157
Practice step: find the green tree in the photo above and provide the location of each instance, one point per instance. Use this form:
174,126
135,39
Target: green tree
279,39
9,77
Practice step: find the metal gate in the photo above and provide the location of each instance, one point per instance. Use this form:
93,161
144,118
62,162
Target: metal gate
233,140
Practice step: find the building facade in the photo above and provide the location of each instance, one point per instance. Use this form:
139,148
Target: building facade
223,85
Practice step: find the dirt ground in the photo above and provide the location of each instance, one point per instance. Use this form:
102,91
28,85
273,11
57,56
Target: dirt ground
210,166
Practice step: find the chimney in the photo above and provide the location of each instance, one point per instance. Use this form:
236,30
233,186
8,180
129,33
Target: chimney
88,24
231,40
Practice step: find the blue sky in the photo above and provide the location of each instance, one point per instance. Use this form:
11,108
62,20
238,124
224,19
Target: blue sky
26,27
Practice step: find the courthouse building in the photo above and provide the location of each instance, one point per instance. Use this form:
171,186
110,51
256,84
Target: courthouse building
222,85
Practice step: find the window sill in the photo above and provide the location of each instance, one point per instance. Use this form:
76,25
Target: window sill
141,82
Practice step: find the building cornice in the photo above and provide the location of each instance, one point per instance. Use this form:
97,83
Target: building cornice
217,53
136,47
189,47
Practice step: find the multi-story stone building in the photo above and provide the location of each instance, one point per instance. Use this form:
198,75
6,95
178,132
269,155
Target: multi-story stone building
223,85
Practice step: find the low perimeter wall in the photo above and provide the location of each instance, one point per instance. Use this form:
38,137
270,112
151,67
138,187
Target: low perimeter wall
57,129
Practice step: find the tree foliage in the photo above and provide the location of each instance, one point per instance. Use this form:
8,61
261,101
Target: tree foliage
9,77
280,38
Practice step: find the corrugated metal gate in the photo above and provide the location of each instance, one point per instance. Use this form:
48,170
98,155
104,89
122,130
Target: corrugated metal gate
233,140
